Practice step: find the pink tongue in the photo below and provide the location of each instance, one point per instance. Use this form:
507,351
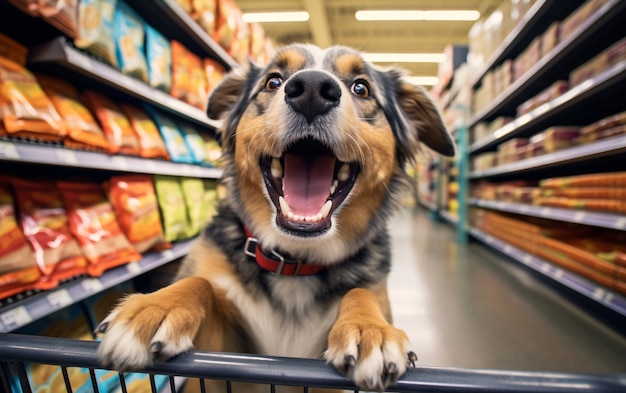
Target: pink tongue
307,183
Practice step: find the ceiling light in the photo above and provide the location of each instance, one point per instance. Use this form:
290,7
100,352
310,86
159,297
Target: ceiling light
297,16
387,15
423,80
404,57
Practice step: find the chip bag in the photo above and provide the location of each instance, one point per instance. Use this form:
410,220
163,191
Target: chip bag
95,29
197,212
83,131
214,73
174,140
193,140
150,143
172,206
188,77
44,222
129,38
116,126
159,58
137,210
25,108
93,222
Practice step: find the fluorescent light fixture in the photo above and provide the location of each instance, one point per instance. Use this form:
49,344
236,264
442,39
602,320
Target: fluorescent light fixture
404,57
296,16
388,15
423,80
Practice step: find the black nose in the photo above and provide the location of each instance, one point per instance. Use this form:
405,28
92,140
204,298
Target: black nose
312,93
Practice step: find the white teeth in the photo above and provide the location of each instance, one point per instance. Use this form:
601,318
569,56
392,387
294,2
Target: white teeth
277,168
322,214
344,173
333,187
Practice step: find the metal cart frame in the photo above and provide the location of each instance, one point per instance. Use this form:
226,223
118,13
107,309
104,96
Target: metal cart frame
17,350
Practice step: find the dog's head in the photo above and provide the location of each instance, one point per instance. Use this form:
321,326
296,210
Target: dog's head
315,147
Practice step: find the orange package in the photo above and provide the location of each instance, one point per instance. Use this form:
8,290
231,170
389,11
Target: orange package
27,111
44,223
151,144
135,203
214,73
93,222
226,23
83,131
116,126
188,77
18,266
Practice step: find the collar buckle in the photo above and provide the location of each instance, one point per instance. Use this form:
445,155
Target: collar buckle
252,249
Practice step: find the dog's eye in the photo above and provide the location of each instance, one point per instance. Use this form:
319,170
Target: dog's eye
273,83
361,89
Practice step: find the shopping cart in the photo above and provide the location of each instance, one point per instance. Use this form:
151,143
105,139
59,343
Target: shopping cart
18,350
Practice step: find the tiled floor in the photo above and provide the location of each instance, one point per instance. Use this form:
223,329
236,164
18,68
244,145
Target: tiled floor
464,306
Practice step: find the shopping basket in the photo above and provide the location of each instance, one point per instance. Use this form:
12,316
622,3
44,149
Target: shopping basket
18,350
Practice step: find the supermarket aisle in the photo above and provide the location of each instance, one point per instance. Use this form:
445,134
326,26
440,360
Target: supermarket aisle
467,307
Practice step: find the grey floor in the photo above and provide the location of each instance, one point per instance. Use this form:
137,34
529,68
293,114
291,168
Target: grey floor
464,306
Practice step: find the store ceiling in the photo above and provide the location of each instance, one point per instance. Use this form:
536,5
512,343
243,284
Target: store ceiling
332,22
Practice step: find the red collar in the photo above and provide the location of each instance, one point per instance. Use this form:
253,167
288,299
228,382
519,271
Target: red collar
276,263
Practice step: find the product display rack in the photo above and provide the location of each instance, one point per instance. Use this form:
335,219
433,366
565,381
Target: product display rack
60,57
592,100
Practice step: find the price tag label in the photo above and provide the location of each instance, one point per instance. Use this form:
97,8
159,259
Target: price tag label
60,298
599,293
66,156
8,150
545,212
133,268
92,285
620,223
151,166
120,162
579,217
168,254
15,318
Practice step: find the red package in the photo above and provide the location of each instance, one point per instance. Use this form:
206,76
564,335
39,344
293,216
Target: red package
151,144
45,225
93,222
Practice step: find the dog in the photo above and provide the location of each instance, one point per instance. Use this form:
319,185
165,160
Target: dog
296,259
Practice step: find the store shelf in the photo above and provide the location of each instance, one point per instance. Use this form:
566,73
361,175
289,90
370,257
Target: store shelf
609,299
539,16
61,53
559,62
596,219
581,98
602,148
21,152
30,309
169,18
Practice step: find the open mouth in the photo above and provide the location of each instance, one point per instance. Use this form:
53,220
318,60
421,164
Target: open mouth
307,184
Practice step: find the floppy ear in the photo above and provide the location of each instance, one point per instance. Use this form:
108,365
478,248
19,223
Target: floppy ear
227,101
422,121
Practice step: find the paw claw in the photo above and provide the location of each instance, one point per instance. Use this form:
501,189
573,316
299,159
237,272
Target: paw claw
391,368
102,328
412,358
350,361
156,347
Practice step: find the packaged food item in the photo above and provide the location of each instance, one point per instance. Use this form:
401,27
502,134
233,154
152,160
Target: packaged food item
174,141
18,266
26,109
553,139
203,12
150,143
44,222
257,42
83,131
172,206
93,222
193,141
95,29
129,35
212,150
198,93
605,60
159,58
116,126
214,72
188,77
12,50
608,179
551,37
226,23
610,205
135,203
197,213
579,16
63,14
210,198
185,5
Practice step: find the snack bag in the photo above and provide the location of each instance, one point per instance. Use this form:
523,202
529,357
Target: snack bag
197,91
13,50
95,29
116,126
159,58
204,14
212,150
63,14
194,194
44,222
129,37
137,210
25,109
226,23
18,266
174,141
214,73
93,222
172,205
194,142
83,131
210,198
150,143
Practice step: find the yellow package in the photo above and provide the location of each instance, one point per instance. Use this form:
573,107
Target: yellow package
172,205
95,29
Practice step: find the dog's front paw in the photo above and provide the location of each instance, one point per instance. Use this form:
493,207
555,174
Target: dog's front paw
372,355
156,326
